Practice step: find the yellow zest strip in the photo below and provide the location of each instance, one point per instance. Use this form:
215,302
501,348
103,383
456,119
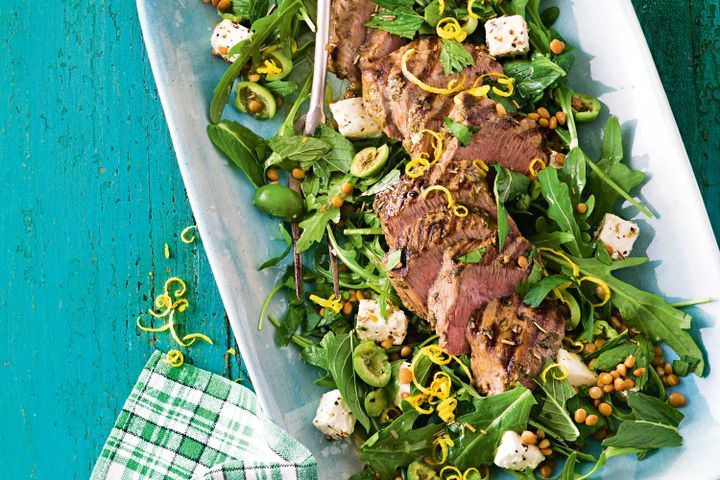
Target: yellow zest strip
575,346
453,85
184,234
449,28
162,301
446,409
481,91
443,442
450,473
150,329
481,166
180,305
573,265
458,210
331,302
416,401
470,10
269,67
554,366
441,4
417,167
178,293
175,358
437,144
167,251
604,286
231,351
533,172
194,336
508,83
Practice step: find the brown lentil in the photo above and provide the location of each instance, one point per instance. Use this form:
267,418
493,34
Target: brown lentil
543,112
533,116
608,388
615,374
543,122
347,188
546,451
544,443
581,208
630,361
639,372
557,46
657,351
255,106
605,378
552,123
605,409
589,348
387,343
522,261
528,438
660,371
500,109
224,4
560,159
349,94
673,380
254,77
668,368
298,173
272,174
405,351
360,295
580,415
347,308
541,433
545,471
561,117
405,375
676,399
337,201
621,368
619,384
596,392
591,420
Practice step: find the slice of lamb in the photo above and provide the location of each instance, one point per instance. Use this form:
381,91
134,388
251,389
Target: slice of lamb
347,35
378,44
461,288
423,247
510,140
510,341
403,108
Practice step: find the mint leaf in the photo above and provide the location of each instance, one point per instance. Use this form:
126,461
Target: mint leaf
533,77
459,131
655,425
454,57
475,256
401,20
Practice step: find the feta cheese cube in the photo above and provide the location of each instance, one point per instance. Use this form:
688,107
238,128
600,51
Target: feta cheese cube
225,36
353,120
403,388
370,324
578,372
333,418
618,235
507,35
515,455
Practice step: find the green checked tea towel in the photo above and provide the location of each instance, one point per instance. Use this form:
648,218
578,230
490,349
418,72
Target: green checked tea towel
186,423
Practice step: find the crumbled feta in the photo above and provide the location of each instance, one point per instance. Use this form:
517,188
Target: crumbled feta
618,235
225,36
578,372
353,120
515,455
333,418
507,35
370,324
403,388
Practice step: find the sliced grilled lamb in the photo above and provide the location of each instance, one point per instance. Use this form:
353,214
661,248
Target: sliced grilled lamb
507,139
347,36
462,288
403,108
510,341
378,44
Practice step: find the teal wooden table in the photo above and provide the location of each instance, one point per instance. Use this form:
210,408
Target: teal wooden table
91,193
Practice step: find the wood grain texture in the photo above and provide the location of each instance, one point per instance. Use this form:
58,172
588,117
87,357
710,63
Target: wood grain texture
91,193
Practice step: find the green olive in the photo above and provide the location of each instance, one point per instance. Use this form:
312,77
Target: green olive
283,62
585,107
371,364
369,161
420,471
375,402
255,99
280,201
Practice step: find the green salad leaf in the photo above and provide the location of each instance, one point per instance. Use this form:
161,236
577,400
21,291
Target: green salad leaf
541,289
554,415
655,425
534,76
459,131
241,145
493,415
397,17
508,186
454,57
560,209
340,367
474,256
398,445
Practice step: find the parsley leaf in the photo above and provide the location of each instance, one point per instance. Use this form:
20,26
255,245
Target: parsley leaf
475,256
454,57
397,17
459,131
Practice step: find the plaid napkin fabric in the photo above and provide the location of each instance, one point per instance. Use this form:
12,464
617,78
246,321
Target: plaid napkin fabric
186,423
